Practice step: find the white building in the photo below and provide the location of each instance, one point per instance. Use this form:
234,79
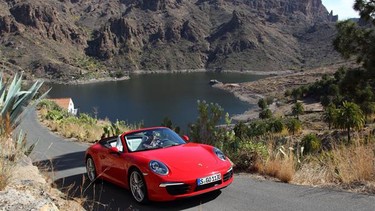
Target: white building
67,104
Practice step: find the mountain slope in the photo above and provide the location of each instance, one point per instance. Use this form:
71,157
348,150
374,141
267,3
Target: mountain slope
65,39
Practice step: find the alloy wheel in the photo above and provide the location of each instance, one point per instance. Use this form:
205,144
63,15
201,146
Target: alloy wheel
138,186
90,168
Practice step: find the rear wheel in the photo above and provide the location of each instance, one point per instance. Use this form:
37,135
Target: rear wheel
90,169
138,186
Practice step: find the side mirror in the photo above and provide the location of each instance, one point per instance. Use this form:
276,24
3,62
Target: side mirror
186,138
114,150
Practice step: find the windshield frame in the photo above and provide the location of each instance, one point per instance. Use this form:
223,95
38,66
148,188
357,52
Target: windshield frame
164,137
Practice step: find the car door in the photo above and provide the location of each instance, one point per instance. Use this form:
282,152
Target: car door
104,156
116,161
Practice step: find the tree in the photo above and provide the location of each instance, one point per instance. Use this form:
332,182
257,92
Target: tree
209,115
330,115
368,108
297,94
349,116
294,125
276,125
353,40
240,130
298,109
366,9
262,103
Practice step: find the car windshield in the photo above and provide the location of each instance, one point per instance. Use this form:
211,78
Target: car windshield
152,139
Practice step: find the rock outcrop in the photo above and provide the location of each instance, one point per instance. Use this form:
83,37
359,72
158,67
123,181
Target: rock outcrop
255,35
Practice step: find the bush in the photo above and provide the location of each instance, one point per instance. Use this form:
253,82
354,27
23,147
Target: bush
205,130
262,103
49,105
54,115
265,114
311,143
240,130
248,155
257,129
276,126
85,118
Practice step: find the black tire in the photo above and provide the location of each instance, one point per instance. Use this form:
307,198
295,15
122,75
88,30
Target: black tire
91,169
137,187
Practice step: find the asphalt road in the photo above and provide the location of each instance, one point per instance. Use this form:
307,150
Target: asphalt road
64,160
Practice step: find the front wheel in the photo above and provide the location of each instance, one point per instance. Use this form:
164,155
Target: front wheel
138,187
90,169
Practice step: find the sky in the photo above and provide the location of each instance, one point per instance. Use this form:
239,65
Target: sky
343,8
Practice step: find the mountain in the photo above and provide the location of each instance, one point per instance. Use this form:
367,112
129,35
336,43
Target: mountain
65,39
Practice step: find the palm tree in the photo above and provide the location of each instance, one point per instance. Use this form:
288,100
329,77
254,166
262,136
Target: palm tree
349,116
294,125
298,109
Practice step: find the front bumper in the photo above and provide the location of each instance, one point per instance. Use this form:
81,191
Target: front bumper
171,190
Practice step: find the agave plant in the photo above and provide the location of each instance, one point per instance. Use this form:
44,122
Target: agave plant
15,102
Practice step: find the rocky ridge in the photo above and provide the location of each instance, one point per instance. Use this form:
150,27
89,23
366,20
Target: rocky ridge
65,39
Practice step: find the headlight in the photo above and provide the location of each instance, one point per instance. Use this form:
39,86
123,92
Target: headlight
219,154
158,167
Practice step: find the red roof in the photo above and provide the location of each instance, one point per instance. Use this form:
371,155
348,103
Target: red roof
62,102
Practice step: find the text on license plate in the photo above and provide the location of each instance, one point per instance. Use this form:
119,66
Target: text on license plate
209,179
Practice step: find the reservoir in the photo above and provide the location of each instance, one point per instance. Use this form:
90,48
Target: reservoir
149,98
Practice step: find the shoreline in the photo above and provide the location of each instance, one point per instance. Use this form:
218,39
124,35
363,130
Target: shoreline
146,72
274,87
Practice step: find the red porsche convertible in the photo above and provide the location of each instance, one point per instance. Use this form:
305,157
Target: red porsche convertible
157,164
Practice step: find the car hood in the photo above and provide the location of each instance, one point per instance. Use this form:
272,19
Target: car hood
189,158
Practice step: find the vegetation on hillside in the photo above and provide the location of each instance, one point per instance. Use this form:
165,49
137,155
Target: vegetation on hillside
83,128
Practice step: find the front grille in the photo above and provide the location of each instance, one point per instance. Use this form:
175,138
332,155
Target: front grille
209,185
228,175
178,189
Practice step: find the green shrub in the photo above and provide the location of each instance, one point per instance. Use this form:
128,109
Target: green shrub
85,118
262,103
265,114
49,105
205,130
276,125
241,130
55,115
311,143
257,128
249,153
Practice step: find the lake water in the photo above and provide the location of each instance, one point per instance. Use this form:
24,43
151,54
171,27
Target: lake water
152,97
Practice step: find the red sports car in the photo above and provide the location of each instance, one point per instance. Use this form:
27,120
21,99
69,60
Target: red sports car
157,164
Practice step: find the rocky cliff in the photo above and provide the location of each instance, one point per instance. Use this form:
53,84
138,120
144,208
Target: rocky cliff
93,38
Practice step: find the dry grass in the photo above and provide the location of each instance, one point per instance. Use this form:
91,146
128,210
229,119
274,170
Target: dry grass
355,163
280,167
8,154
5,171
349,167
314,173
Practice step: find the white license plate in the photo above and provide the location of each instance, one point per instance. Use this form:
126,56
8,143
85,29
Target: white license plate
209,179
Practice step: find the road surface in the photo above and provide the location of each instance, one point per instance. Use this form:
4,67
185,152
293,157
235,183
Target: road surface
65,161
